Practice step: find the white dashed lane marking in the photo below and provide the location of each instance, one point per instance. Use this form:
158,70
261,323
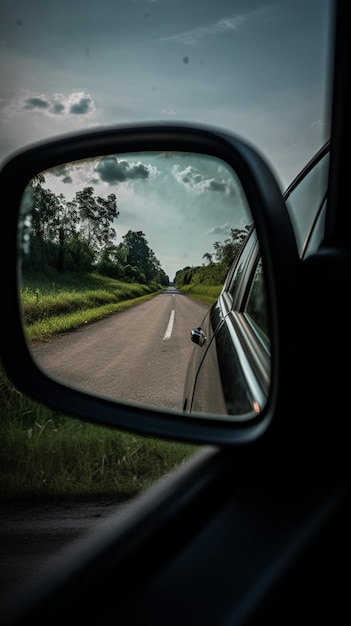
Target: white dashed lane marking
170,326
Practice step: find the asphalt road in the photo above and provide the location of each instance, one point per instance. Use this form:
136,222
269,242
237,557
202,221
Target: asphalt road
33,537
138,355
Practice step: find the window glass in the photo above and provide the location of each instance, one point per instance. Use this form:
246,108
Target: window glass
256,305
306,199
240,267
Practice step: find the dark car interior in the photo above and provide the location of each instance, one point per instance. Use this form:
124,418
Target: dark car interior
255,529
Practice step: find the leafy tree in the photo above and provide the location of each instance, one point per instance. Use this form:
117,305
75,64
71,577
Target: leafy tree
226,251
80,252
138,253
96,215
112,262
141,263
60,231
137,249
40,224
208,257
79,235
134,274
214,273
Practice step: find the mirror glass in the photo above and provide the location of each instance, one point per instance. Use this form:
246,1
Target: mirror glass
121,257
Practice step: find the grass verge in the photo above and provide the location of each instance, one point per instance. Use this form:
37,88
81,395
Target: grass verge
53,304
205,293
49,457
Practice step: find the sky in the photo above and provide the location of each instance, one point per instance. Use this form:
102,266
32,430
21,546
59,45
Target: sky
179,201
257,69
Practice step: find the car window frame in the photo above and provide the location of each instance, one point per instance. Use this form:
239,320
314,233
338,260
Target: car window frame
231,294
305,248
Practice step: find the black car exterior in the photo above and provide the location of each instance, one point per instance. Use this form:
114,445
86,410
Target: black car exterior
229,370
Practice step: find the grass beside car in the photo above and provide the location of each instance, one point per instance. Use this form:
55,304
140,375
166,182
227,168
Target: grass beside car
46,456
205,293
202,283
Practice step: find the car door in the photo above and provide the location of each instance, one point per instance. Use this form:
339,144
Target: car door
233,373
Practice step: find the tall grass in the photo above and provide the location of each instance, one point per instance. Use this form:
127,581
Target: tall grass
205,293
53,304
203,283
47,456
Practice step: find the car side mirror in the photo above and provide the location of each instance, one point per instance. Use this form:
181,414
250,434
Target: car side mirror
198,336
139,208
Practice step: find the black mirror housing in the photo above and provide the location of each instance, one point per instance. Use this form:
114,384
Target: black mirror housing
279,259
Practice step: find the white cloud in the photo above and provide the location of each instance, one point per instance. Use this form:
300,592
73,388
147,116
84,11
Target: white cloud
221,230
74,104
223,25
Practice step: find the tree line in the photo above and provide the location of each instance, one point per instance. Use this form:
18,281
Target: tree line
218,262
78,235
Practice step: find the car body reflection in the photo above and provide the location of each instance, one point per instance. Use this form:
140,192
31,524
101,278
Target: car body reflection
229,372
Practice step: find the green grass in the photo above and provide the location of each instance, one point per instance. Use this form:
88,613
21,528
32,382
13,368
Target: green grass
52,304
203,283
47,456
205,293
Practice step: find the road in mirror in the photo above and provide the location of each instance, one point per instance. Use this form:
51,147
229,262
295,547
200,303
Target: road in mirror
120,257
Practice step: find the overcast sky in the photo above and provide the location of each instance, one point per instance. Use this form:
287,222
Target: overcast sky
183,203
257,69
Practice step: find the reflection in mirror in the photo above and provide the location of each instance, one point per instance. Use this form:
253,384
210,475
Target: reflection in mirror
120,257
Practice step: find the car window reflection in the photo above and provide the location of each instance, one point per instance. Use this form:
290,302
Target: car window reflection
305,199
256,305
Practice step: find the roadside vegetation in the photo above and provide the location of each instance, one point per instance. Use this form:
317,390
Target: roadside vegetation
53,303
49,457
205,282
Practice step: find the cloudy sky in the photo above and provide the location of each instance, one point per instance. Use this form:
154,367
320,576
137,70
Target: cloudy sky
258,69
182,203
